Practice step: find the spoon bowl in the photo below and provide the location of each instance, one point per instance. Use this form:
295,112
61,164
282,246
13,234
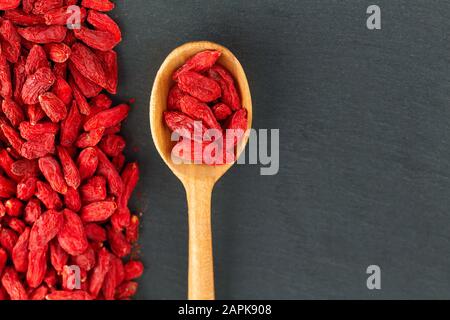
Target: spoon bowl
198,179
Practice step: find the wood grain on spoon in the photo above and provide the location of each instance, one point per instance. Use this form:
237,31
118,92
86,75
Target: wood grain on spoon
198,180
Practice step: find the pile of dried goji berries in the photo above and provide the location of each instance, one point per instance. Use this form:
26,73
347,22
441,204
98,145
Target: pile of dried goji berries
205,98
65,228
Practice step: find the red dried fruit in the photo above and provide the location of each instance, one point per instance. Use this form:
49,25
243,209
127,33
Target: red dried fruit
70,127
100,271
88,64
69,295
94,190
20,252
221,111
10,42
199,111
72,199
39,147
37,84
112,145
87,163
43,34
82,85
58,52
109,62
32,211
230,95
119,244
86,260
238,123
103,22
100,5
37,265
8,239
133,270
98,211
107,169
72,237
108,118
185,126
27,188
58,257
6,90
43,6
21,18
71,174
13,285
132,231
12,136
39,293
37,58
9,4
127,290
14,207
62,90
94,232
173,100
53,107
7,188
3,259
52,172
47,73
48,196
202,61
45,229
30,132
199,86
96,39
62,16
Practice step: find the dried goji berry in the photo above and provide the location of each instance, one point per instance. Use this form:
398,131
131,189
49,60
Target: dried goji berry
37,84
53,107
199,86
58,257
94,190
69,295
72,199
32,211
126,290
221,111
10,42
133,270
98,211
48,196
88,64
107,169
100,271
52,172
112,145
37,265
100,5
36,59
27,188
12,285
9,4
199,111
72,237
108,118
200,62
46,227
20,252
230,95
87,163
71,174
94,232
58,52
43,34
70,127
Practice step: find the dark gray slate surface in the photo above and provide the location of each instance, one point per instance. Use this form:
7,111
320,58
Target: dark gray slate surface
365,148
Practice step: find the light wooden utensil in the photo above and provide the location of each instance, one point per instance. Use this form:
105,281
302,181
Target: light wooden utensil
198,180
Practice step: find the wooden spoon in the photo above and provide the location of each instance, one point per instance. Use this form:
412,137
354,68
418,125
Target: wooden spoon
198,180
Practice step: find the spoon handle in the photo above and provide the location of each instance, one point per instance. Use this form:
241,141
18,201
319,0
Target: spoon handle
201,270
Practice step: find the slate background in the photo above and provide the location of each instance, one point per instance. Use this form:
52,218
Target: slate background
365,149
